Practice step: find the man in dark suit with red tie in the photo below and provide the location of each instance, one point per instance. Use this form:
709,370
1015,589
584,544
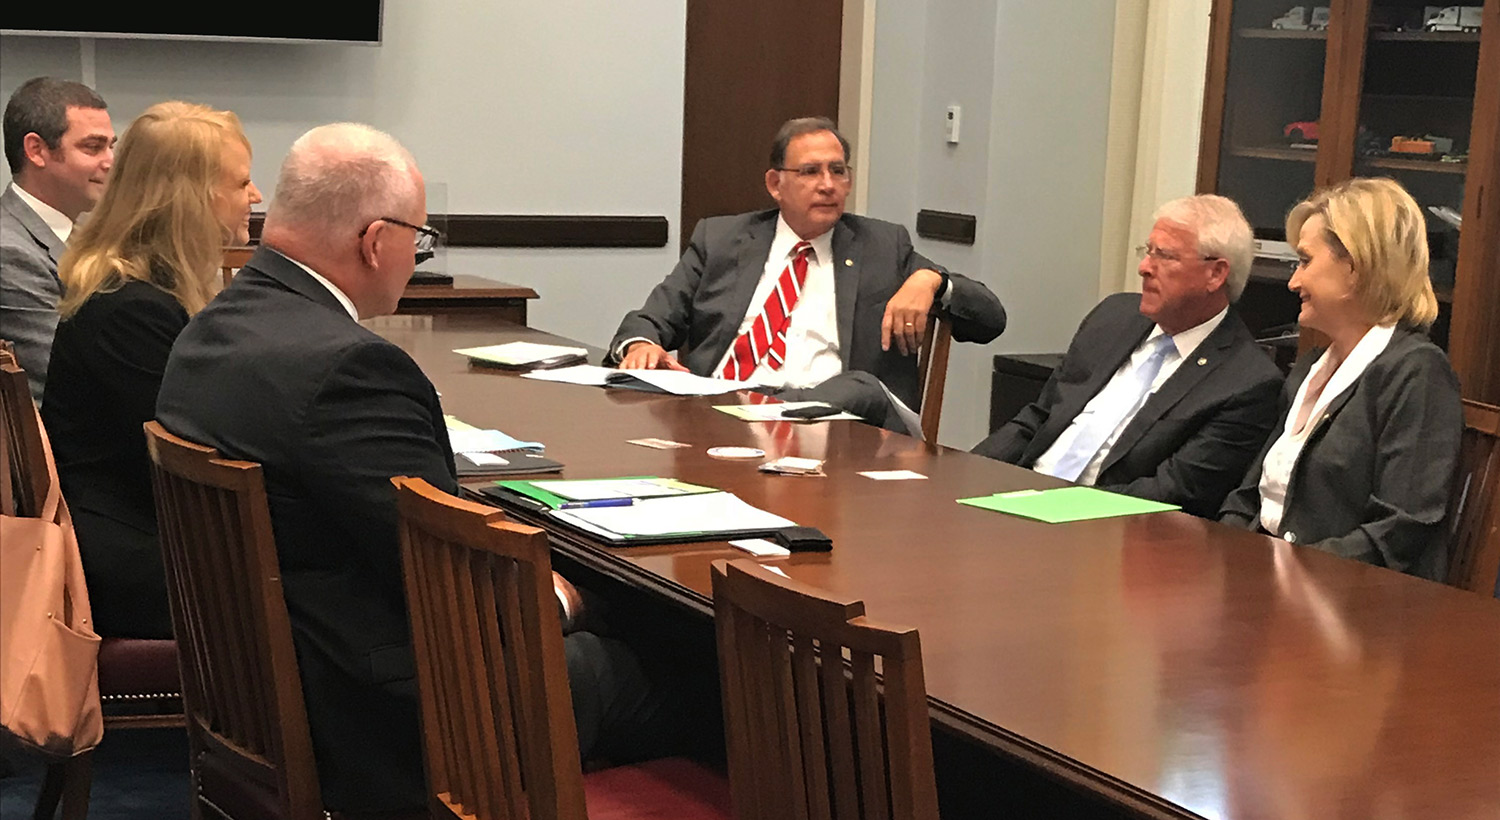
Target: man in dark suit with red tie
796,295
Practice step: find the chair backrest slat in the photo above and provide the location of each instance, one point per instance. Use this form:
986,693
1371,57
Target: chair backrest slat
1475,558
241,687
867,737
506,783
810,713
811,733
497,719
841,754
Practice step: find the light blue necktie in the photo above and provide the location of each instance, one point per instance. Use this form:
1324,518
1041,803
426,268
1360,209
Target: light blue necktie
1092,437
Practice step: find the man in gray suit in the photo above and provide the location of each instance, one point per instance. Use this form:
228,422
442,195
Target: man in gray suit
1164,394
60,145
794,296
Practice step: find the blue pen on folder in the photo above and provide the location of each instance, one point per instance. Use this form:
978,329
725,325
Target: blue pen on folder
597,502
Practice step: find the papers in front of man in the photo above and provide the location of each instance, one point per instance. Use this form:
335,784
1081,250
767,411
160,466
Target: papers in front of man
1066,504
675,382
590,375
697,516
525,355
773,412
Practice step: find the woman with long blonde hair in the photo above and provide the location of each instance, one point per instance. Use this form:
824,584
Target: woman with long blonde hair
146,260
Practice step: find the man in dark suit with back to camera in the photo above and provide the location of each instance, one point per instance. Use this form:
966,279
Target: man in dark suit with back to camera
60,146
277,370
794,296
1162,395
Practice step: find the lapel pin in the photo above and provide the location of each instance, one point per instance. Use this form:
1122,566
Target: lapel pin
1202,361
848,263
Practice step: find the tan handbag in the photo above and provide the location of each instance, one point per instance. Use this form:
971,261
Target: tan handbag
49,653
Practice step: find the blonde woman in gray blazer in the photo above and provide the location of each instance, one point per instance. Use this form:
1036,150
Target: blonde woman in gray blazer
1363,460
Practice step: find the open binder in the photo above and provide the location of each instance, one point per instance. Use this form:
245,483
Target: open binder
687,514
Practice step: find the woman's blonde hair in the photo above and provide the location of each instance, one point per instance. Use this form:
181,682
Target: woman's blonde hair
1377,226
156,221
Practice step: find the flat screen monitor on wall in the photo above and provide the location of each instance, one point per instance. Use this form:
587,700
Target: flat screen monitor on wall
341,21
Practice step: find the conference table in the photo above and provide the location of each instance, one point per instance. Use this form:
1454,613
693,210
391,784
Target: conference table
1159,665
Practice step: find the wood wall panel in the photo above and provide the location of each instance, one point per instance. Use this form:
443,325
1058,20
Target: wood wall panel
750,67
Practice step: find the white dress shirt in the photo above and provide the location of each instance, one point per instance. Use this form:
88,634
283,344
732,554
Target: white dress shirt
1121,387
1281,459
332,288
60,224
812,335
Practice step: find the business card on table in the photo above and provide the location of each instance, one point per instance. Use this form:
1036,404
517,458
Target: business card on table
892,475
658,443
761,548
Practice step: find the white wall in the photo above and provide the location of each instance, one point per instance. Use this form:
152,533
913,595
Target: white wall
559,107
576,107
1033,80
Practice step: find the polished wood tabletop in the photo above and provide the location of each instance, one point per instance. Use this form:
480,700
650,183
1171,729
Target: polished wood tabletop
1174,666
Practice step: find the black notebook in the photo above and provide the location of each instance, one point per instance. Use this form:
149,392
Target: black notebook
517,462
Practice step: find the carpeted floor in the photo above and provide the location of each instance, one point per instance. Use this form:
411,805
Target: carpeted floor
138,775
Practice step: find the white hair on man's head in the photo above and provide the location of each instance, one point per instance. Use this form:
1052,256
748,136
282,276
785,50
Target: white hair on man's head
339,178
1222,233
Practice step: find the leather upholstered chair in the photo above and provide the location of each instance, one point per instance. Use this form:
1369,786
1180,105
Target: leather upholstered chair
497,722
811,733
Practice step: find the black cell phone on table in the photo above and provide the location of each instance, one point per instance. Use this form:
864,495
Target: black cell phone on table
811,411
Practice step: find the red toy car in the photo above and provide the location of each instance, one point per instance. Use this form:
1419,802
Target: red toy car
1302,131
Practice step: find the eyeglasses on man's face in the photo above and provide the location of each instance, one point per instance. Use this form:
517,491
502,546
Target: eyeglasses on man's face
1159,255
813,172
425,240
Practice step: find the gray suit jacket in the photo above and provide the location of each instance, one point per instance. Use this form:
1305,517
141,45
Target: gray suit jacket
29,287
699,307
1192,439
1375,475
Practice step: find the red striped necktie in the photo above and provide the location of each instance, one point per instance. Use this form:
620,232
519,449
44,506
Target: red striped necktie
766,339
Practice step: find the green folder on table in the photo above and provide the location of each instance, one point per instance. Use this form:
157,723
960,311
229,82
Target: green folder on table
1065,504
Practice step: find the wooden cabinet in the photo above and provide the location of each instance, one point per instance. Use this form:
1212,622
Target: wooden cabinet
1294,102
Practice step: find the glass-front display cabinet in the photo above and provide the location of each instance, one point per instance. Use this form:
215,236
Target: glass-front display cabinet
1304,95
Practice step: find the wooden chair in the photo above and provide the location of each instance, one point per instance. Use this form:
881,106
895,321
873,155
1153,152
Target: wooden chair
497,721
235,258
138,682
1475,557
26,464
808,737
250,751
932,374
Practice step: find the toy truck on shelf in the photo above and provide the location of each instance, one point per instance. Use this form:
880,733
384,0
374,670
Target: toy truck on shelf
1453,18
1297,19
